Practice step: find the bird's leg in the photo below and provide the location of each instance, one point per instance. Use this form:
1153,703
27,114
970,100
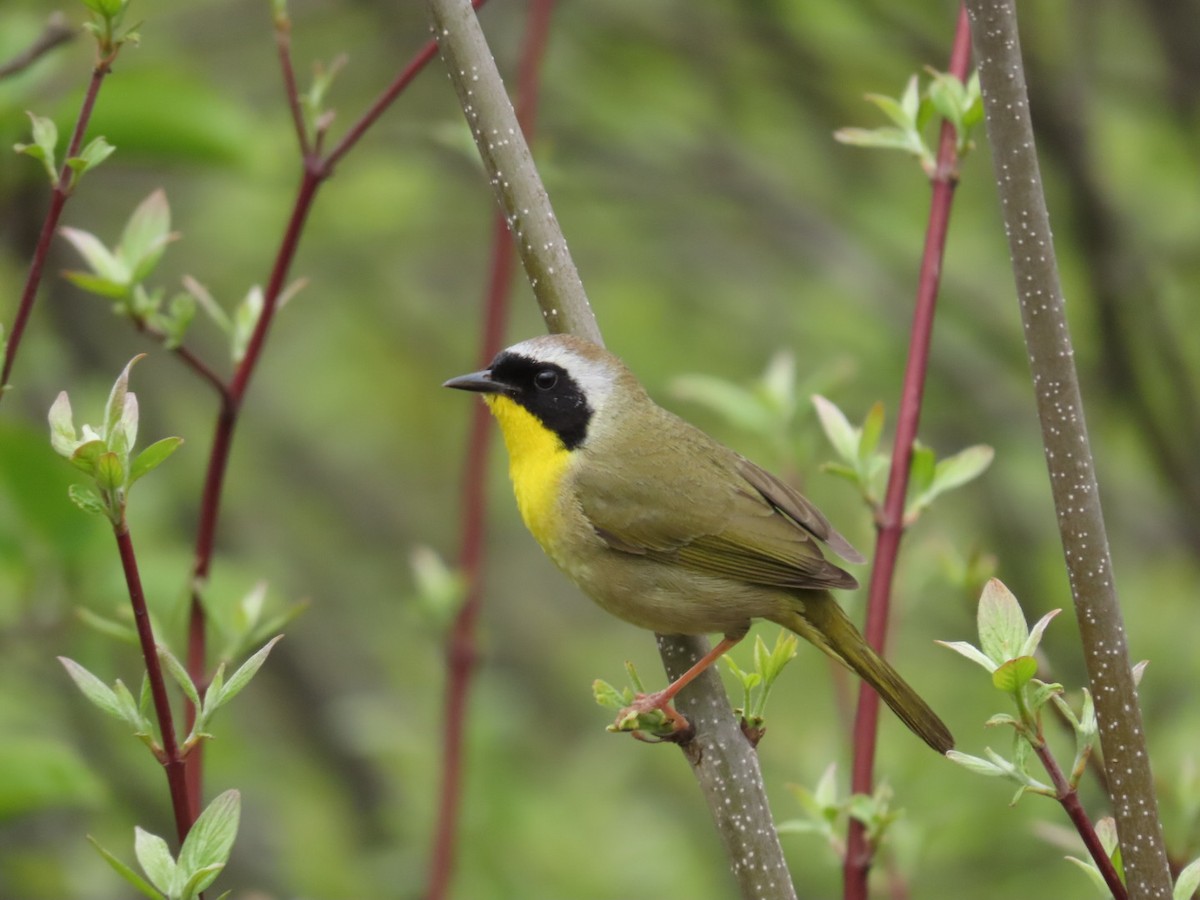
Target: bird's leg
645,703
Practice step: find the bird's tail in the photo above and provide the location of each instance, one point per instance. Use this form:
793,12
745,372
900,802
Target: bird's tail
822,622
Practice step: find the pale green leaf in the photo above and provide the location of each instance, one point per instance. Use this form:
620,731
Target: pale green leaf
1035,633
99,693
153,456
99,258
970,652
1092,873
136,880
62,426
146,236
156,861
207,847
841,434
1188,881
1002,628
180,674
239,679
87,499
1014,674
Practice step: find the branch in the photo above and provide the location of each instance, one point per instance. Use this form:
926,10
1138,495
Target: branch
722,760
462,655
890,525
50,224
172,761
1065,439
1069,798
316,170
57,32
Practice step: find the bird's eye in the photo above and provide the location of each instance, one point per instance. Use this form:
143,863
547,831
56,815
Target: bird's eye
545,380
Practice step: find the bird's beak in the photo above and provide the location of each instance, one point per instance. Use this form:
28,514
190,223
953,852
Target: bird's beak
481,382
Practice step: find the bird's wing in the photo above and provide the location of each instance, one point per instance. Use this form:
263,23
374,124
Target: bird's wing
720,515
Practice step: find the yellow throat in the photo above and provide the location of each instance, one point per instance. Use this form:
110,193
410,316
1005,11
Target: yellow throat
537,460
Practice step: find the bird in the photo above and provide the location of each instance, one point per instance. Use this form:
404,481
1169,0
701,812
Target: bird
666,527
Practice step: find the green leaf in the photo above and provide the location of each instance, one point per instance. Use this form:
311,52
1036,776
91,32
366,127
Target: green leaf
91,156
920,478
970,652
119,420
206,849
110,473
156,861
1035,634
180,313
1188,881
245,320
1002,628
180,674
62,426
1092,873
841,434
98,285
127,873
129,708
976,764
146,236
99,258
869,435
153,457
961,468
99,693
239,679
1042,692
87,499
1014,674
878,138
87,455
45,140
606,695
894,109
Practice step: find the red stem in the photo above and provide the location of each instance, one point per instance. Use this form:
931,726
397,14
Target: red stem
316,171
462,653
351,137
283,42
50,224
890,520
1069,798
173,762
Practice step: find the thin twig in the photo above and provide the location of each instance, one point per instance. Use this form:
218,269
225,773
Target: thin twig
1069,798
316,170
1065,440
283,44
890,524
722,760
172,761
462,654
58,200
58,31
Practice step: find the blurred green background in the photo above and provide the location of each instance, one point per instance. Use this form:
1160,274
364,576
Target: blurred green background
687,148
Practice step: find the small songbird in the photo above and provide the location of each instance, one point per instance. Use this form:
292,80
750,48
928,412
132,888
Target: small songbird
665,527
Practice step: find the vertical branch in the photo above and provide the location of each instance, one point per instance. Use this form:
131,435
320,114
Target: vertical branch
1067,450
890,525
172,761
57,201
316,170
462,654
722,760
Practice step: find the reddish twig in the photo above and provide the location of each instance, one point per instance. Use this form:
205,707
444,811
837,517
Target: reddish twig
462,652
1069,798
316,170
58,200
890,525
171,759
57,31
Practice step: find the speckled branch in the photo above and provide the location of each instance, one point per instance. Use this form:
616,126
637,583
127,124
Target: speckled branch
1065,439
725,765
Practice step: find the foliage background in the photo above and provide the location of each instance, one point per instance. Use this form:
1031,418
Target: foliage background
714,220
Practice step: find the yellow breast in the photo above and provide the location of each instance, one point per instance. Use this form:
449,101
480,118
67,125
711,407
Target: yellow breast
537,461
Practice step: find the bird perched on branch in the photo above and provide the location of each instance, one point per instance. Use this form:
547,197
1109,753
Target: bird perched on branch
665,527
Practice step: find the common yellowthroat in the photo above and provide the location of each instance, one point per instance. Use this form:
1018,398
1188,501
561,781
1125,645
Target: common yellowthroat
665,527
